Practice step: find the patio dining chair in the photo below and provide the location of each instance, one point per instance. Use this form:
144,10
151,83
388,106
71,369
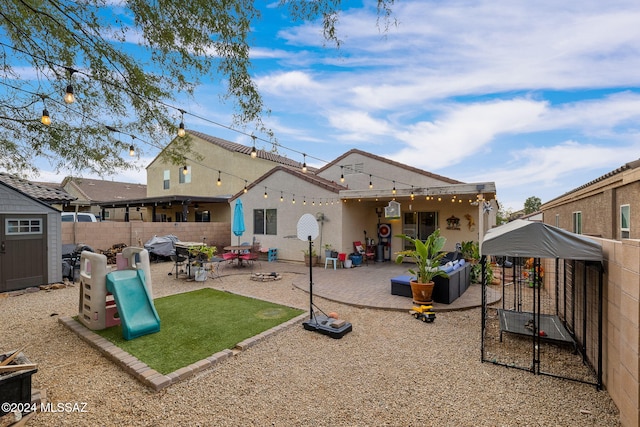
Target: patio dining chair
251,256
360,249
179,261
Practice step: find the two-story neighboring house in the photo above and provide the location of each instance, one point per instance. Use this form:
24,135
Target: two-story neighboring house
601,208
223,169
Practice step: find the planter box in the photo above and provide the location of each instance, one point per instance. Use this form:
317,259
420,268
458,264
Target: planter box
15,387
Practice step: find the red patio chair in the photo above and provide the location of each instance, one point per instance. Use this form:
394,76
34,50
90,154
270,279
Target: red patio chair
360,249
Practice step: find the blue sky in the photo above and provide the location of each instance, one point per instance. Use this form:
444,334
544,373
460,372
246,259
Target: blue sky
539,97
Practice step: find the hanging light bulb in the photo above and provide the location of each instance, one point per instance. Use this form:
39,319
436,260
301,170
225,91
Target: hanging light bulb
313,202
412,195
370,183
185,170
254,153
219,180
69,98
46,120
181,131
293,201
132,151
394,188
265,192
341,174
281,198
304,201
304,163
245,186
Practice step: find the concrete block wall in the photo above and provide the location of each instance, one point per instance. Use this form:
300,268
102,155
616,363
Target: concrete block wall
103,235
621,355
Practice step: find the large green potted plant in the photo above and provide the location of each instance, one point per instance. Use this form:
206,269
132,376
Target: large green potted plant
427,256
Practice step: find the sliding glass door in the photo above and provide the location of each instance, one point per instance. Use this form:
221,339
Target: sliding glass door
419,224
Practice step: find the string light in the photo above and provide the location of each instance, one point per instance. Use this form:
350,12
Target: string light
304,163
181,131
245,186
304,201
265,192
412,196
132,149
370,183
45,119
341,173
293,201
394,188
219,180
281,198
69,98
254,153
185,170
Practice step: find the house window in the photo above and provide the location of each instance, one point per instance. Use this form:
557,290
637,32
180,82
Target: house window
625,225
203,216
185,178
166,179
23,226
265,221
577,222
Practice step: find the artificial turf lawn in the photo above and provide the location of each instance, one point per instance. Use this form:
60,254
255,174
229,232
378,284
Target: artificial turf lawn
194,325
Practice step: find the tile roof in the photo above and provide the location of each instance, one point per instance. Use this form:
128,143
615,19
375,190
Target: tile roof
100,190
391,162
244,149
626,167
44,193
309,177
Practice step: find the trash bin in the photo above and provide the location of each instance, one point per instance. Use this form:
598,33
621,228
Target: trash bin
356,260
380,253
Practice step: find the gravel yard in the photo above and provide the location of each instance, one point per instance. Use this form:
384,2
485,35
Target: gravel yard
390,370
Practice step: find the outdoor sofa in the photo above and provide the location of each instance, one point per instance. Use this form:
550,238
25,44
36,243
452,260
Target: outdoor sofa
446,289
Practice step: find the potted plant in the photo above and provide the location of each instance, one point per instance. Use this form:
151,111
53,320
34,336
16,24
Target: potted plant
471,254
327,250
313,258
471,251
202,253
426,256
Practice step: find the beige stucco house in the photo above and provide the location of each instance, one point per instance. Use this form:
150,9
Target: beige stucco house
352,195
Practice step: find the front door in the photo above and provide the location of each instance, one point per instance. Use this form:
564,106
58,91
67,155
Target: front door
23,255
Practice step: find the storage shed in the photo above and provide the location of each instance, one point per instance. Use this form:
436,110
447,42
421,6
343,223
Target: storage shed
549,320
30,234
